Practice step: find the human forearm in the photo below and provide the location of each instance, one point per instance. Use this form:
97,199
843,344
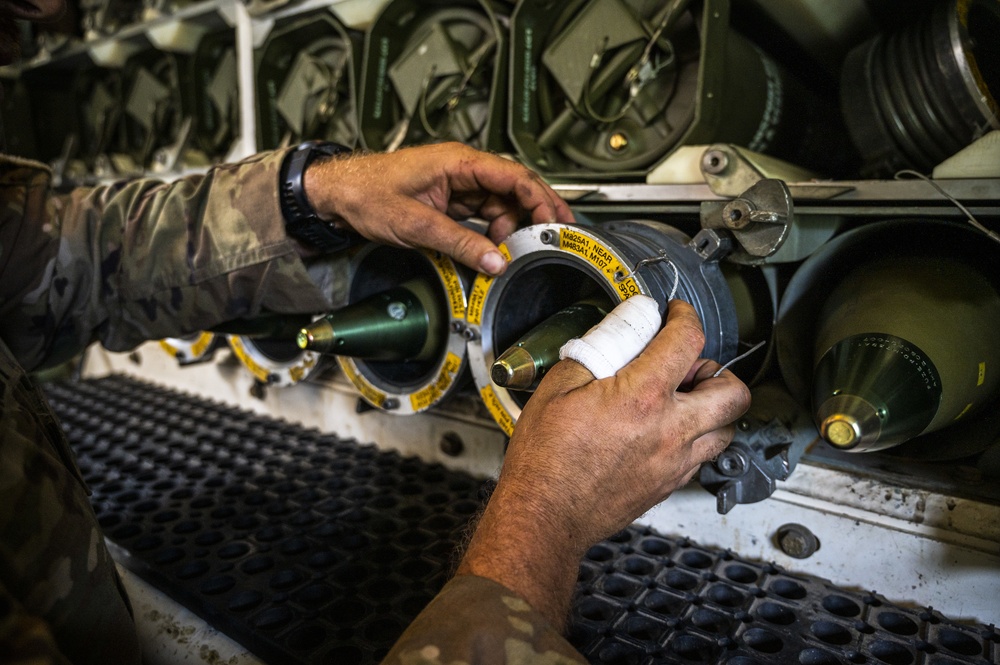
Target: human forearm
474,620
518,545
142,260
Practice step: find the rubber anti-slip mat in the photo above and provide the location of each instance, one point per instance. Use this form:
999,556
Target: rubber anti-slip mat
307,548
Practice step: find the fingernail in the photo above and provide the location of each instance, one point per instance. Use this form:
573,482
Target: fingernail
492,263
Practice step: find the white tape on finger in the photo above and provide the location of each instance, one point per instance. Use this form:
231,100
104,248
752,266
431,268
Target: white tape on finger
618,339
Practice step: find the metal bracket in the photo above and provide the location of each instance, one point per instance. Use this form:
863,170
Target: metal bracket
767,446
759,219
761,215
729,170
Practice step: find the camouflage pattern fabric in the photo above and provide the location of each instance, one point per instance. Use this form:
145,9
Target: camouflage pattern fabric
119,264
53,561
141,260
475,621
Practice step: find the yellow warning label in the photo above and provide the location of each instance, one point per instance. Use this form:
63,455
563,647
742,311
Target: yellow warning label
477,298
452,283
964,411
500,414
600,257
168,347
480,287
429,395
372,395
982,374
298,372
201,344
237,345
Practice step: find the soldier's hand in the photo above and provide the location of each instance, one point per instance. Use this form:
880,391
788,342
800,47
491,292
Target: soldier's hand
410,198
589,456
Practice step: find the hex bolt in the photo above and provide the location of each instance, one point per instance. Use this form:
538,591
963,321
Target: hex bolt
618,141
796,541
736,214
469,334
732,462
451,444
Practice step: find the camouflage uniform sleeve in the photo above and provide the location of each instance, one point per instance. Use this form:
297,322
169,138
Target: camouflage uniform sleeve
24,639
142,259
475,621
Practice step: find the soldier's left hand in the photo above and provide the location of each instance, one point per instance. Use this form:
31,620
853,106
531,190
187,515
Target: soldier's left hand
412,197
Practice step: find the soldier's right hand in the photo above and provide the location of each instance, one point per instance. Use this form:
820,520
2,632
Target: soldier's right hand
589,456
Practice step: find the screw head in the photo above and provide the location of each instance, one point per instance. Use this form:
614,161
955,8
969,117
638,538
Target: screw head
451,444
731,463
736,214
797,541
396,310
714,162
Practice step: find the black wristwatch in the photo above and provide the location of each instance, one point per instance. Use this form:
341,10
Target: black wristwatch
301,221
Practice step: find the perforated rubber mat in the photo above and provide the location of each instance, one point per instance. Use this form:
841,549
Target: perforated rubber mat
307,548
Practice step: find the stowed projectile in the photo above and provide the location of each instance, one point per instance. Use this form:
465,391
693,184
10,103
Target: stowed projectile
405,322
905,346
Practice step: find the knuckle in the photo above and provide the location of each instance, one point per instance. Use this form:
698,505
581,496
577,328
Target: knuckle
693,336
744,398
682,307
737,403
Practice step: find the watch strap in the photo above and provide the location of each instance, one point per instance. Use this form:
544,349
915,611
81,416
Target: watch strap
301,220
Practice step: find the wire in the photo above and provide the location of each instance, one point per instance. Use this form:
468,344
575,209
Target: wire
638,75
739,358
461,90
659,258
958,204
